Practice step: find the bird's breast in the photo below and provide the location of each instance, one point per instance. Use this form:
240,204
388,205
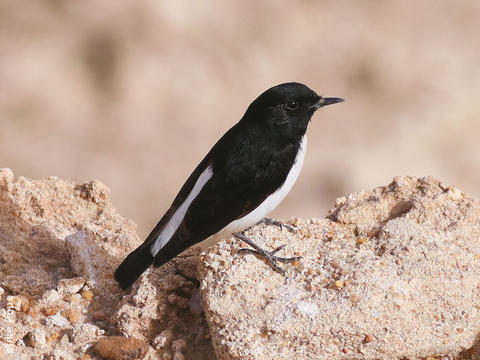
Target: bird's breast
272,201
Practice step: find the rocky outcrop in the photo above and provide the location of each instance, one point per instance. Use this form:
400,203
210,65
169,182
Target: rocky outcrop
59,245
392,273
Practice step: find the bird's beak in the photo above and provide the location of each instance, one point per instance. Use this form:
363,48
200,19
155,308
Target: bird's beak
326,101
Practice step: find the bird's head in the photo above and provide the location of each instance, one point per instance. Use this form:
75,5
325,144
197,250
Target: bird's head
286,109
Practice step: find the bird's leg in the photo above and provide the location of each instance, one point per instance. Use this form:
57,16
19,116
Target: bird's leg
268,256
273,222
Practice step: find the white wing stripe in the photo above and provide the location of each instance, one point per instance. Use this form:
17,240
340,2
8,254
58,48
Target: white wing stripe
174,222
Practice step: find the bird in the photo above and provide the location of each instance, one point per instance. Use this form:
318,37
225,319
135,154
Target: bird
245,175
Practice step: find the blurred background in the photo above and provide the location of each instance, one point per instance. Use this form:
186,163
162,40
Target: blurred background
135,93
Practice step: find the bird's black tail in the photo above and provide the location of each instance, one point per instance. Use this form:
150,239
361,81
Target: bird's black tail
133,266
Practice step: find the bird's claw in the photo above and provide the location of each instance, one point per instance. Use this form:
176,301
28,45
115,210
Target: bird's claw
273,222
271,259
268,256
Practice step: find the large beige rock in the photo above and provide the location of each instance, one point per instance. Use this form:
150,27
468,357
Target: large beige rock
60,243
35,218
392,273
46,302
389,269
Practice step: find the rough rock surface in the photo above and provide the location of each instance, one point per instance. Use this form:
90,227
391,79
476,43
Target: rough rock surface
59,245
158,309
121,348
392,273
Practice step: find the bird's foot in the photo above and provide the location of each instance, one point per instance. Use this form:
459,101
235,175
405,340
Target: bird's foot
268,256
273,222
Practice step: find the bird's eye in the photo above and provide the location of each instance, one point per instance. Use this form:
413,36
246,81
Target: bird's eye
292,105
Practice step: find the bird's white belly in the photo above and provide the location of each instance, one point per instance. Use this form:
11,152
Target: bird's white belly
271,202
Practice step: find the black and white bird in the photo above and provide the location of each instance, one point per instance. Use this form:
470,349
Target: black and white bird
242,179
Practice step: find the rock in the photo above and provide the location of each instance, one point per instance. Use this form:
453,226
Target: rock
365,271
163,340
58,354
392,273
64,340
70,286
51,296
148,310
35,218
87,294
84,333
37,338
18,303
56,320
81,249
51,232
11,332
121,348
95,191
72,315
35,266
50,310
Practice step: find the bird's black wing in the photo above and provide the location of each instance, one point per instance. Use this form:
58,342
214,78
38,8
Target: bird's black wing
141,258
238,186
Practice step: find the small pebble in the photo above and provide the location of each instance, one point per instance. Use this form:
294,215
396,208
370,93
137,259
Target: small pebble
51,296
65,340
20,342
70,286
87,294
163,340
37,338
84,333
56,321
18,303
52,337
120,347
362,241
49,310
72,315
354,298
